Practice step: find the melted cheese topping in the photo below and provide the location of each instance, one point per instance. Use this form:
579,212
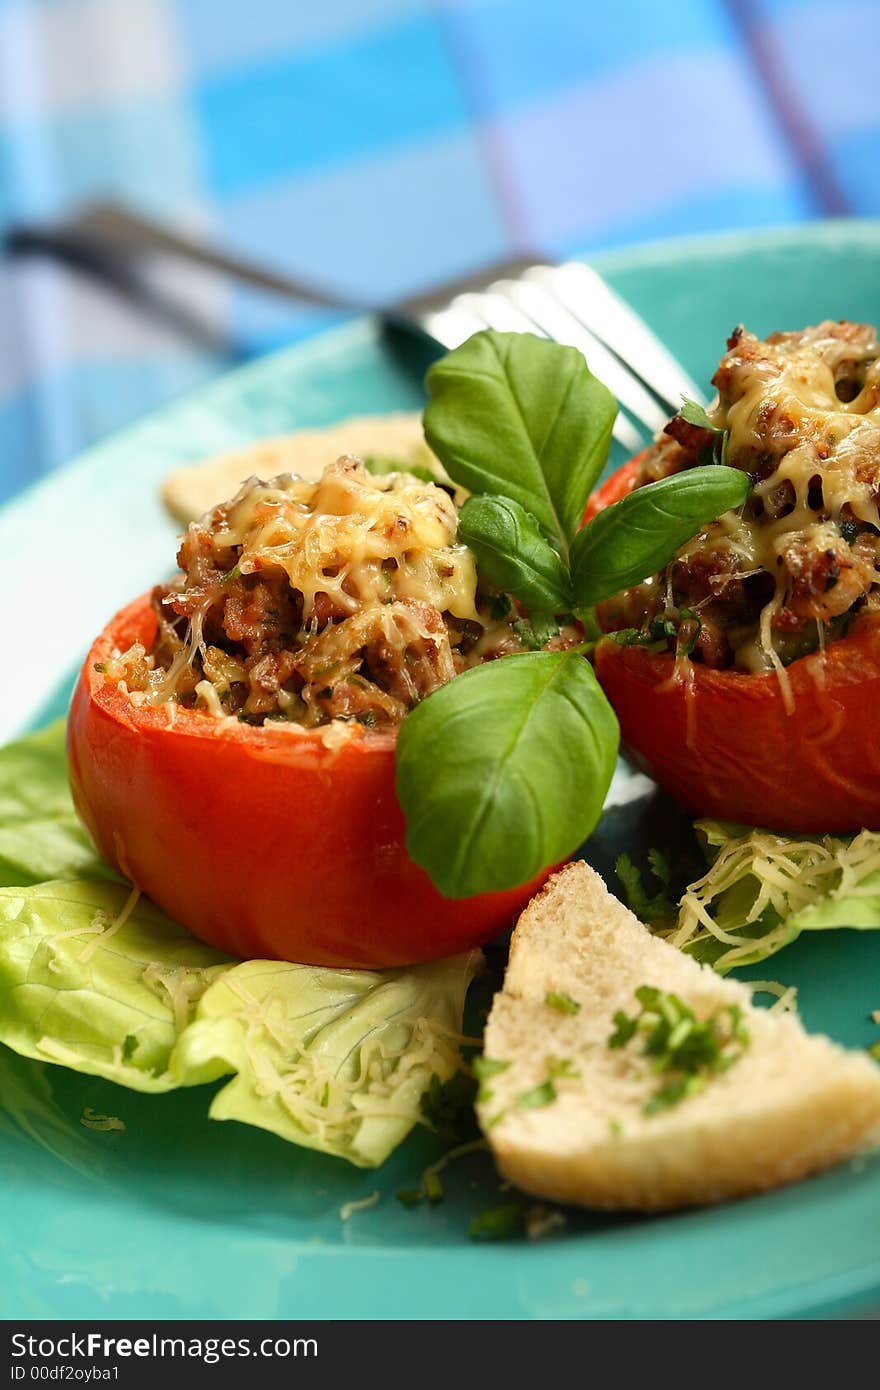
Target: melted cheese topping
817,458
359,539
347,598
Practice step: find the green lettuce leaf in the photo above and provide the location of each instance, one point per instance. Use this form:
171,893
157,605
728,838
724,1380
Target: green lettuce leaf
40,834
96,978
762,889
335,1060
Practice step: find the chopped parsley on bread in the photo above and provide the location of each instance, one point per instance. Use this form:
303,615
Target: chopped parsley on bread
572,1118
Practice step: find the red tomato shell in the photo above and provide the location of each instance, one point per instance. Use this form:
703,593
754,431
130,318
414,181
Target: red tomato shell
725,744
262,841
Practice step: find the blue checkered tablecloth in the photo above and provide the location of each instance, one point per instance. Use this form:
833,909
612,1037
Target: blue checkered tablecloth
379,145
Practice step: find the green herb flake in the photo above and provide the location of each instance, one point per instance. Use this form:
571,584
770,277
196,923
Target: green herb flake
563,1003
448,1107
409,1197
381,465
484,1068
100,667
231,574
536,632
433,1188
498,1223
649,907
615,1129
542,1094
562,1069
685,1051
695,414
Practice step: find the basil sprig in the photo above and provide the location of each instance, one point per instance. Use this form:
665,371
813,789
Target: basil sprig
505,769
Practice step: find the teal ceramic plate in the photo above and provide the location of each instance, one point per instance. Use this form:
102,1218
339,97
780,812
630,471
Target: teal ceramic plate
177,1216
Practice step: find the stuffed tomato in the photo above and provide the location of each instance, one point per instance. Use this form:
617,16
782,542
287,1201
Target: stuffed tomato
746,674
232,736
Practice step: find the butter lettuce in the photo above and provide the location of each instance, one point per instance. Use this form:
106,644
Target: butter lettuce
763,888
95,978
40,834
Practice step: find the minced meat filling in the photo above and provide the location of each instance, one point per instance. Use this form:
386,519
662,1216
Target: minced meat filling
348,599
800,413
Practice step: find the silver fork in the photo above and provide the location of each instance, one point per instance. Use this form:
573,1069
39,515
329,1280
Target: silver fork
572,304
569,303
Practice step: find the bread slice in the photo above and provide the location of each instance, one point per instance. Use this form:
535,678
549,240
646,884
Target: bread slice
792,1104
190,492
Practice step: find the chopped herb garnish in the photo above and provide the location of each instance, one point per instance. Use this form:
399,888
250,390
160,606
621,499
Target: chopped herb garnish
536,632
499,607
233,574
380,466
681,1047
409,1196
563,1003
542,1094
562,1069
432,1188
648,907
615,1129
448,1107
498,1223
663,629
483,1069
689,629
695,414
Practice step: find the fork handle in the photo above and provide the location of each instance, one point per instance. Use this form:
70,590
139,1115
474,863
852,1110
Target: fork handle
108,231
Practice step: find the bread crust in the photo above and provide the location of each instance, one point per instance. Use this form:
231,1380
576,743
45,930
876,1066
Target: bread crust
191,491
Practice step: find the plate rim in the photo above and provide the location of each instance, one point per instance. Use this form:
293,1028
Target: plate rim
831,1294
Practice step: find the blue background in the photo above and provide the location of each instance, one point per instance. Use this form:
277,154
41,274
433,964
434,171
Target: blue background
381,145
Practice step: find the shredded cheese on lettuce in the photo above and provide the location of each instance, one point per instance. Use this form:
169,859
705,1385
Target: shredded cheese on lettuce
763,888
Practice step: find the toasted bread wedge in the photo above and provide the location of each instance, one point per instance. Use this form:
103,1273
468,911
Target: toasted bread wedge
190,492
792,1104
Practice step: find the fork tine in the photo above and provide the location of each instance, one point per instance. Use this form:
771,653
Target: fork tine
592,301
555,321
493,308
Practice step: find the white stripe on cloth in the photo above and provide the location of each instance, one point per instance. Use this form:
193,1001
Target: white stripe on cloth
84,54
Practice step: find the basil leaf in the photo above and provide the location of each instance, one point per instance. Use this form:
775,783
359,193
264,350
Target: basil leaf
513,554
636,537
514,414
504,770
